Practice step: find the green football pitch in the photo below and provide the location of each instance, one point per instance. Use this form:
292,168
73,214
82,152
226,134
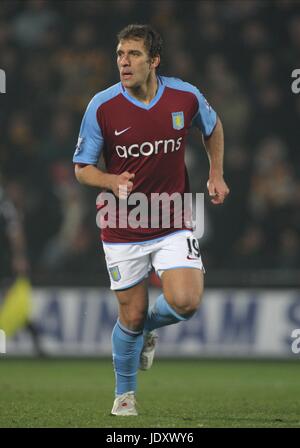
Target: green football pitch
173,394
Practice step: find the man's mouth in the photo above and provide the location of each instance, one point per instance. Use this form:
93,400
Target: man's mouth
126,75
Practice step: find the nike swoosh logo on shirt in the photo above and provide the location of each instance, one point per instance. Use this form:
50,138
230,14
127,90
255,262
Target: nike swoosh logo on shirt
121,132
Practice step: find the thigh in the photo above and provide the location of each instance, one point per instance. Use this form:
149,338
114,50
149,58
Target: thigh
178,263
183,288
127,264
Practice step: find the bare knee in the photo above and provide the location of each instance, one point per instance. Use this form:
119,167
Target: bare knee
133,319
183,290
133,306
186,302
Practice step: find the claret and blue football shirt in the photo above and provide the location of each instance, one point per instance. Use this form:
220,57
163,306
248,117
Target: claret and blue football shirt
146,139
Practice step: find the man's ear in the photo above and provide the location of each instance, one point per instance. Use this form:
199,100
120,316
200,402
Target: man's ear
155,62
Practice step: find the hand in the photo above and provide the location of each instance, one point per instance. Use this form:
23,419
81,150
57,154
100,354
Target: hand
217,190
122,184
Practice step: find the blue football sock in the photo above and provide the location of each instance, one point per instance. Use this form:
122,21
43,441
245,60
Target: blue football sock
162,314
126,349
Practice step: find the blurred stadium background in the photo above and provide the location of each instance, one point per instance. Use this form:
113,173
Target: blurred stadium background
55,298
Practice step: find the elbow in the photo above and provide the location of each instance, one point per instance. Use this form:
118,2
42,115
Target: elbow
78,172
219,123
217,128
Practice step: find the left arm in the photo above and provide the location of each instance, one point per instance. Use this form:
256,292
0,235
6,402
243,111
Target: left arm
214,146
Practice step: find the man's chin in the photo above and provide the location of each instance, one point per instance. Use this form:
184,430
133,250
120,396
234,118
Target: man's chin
129,83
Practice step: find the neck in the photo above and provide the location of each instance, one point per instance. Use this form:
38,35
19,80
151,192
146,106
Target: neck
145,92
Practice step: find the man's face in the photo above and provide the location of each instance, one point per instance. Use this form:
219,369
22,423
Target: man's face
134,63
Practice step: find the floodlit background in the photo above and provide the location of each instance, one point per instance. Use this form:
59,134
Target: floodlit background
56,56
236,362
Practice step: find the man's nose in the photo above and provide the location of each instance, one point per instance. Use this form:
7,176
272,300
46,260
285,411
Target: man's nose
124,60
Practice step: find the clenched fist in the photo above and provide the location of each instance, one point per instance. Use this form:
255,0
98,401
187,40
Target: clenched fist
122,184
217,190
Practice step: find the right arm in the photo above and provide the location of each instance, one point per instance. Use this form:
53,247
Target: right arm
87,154
121,185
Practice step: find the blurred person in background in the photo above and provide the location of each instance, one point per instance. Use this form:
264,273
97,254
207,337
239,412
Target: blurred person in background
61,246
126,122
15,285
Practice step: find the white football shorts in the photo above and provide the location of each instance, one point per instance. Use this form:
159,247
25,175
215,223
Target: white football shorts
130,263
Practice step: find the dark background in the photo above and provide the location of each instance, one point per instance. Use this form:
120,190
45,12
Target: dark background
240,54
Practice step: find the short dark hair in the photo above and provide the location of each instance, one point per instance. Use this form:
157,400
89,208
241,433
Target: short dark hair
152,39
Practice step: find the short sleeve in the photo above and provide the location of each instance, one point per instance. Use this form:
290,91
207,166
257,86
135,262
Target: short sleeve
90,140
205,118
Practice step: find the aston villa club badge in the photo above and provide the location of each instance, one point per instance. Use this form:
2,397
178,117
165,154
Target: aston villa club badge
115,273
178,120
